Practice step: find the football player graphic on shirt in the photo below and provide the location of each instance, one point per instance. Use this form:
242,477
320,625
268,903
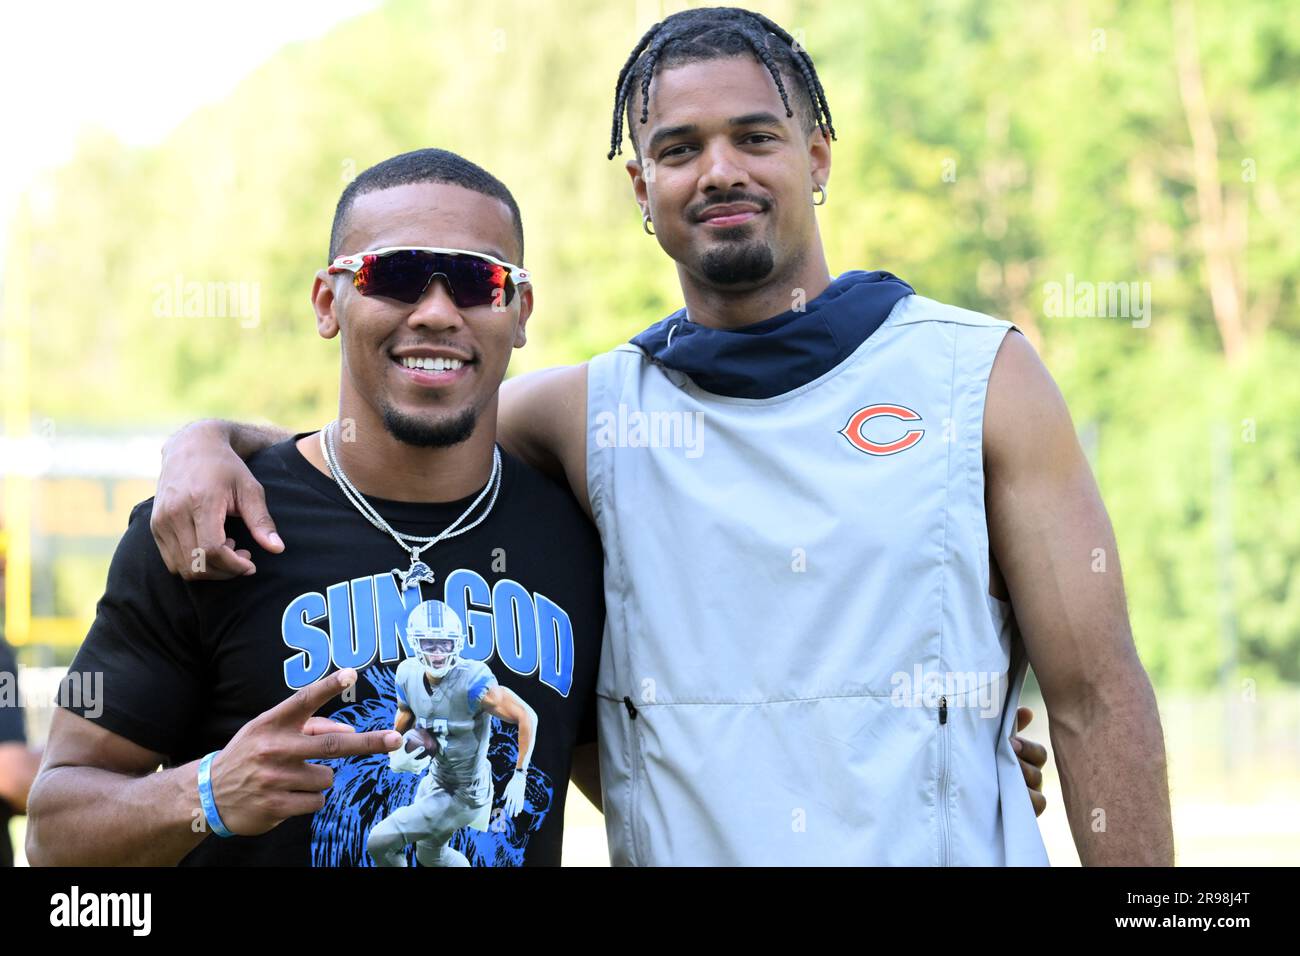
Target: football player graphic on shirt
445,706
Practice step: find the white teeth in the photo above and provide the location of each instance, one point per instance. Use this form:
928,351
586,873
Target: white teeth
432,364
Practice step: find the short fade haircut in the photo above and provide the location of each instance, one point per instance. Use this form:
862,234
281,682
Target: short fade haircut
714,33
423,166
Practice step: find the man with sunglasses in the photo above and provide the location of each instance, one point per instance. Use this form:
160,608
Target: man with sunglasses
273,702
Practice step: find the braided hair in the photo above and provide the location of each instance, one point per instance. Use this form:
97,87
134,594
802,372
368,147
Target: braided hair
711,33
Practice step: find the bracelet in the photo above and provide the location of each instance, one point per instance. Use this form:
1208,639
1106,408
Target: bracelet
205,796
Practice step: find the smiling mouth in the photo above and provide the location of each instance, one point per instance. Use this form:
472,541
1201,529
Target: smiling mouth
439,364
432,371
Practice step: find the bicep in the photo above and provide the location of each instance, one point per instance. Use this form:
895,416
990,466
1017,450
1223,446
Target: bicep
542,418
75,741
1049,531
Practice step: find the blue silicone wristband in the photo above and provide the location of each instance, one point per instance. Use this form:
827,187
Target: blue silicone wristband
205,796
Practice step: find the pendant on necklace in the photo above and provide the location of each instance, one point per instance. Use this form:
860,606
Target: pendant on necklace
411,578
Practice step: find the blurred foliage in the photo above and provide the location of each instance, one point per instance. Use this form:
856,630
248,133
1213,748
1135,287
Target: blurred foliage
985,149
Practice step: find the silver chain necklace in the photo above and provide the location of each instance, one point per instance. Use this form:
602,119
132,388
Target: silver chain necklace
419,570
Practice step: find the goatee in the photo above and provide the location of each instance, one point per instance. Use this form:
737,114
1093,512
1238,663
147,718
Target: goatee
736,264
426,434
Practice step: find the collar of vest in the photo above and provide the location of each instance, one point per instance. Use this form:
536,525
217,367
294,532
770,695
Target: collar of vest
776,355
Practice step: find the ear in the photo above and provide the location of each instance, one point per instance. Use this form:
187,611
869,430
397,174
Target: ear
640,183
819,157
322,301
525,310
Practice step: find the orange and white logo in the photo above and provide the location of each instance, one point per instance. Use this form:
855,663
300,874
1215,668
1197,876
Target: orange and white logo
853,430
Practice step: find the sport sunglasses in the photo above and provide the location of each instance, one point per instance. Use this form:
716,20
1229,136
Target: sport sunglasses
404,273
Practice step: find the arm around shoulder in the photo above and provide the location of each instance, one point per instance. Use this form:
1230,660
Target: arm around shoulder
543,420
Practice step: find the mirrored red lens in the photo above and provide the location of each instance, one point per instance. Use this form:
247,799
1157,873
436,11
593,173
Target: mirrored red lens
400,275
478,282
405,276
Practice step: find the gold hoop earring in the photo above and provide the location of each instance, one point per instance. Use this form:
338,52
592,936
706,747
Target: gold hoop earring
646,224
820,189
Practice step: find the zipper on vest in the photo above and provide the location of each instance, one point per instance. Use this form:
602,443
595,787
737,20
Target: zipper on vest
634,761
943,782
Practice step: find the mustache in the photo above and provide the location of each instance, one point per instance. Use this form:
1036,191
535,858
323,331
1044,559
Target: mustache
697,211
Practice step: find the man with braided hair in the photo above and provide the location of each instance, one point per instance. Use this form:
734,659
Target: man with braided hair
839,520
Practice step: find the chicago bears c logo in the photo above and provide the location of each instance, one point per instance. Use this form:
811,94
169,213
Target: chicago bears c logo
853,430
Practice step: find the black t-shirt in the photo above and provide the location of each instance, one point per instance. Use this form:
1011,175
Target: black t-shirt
11,731
186,664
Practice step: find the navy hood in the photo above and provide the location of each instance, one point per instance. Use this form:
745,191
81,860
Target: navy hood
779,354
